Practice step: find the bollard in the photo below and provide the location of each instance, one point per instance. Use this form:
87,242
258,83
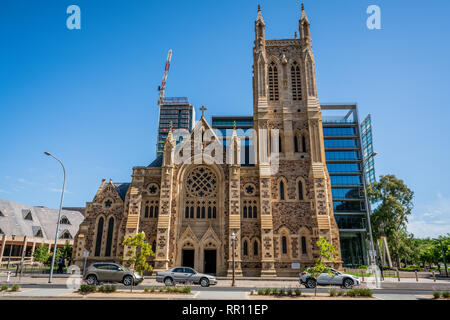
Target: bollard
417,278
8,276
434,277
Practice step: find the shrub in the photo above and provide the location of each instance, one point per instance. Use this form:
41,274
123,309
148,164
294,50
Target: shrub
101,289
340,293
87,288
260,292
298,292
4,287
281,292
267,291
445,294
362,267
113,288
176,289
187,289
363,292
169,289
161,289
289,292
332,293
15,287
146,290
274,291
152,289
350,293
436,294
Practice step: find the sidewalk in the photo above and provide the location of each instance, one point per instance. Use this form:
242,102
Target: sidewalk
251,282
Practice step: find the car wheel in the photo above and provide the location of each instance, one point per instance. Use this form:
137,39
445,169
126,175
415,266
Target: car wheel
348,283
204,282
128,280
91,279
310,283
168,281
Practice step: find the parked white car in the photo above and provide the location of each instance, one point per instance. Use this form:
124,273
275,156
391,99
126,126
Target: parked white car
333,278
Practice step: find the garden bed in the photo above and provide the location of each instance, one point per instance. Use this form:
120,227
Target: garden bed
295,293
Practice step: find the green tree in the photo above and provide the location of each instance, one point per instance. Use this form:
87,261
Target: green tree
327,253
390,217
138,252
41,254
65,252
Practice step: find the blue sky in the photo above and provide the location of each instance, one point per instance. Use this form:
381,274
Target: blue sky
89,96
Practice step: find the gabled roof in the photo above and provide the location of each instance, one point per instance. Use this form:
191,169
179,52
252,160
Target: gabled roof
122,188
157,162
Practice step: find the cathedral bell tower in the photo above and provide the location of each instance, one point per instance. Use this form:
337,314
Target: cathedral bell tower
287,109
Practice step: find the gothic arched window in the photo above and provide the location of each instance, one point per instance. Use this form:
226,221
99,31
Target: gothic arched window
300,189
109,237
304,250
98,241
280,144
283,245
201,193
296,79
282,191
255,248
245,248
273,82
303,144
295,143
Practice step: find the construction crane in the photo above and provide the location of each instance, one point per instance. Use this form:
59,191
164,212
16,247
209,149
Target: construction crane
164,79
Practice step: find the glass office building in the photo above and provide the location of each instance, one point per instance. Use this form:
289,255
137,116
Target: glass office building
344,157
180,113
343,153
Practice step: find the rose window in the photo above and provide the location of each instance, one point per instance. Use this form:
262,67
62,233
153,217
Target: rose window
201,182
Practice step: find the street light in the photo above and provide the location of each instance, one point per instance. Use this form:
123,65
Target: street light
10,251
372,252
59,215
233,240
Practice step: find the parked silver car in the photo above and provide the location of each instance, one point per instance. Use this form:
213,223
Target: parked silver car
333,278
111,272
185,275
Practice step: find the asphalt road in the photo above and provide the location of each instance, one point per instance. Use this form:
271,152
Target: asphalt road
242,289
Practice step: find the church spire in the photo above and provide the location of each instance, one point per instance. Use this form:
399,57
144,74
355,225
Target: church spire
303,25
260,26
259,16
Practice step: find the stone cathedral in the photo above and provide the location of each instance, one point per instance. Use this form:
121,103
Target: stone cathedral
190,211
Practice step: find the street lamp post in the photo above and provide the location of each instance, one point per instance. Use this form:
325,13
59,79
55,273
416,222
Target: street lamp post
233,240
10,251
59,216
372,252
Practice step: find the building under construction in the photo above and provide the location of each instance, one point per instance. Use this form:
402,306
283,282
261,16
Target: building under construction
175,110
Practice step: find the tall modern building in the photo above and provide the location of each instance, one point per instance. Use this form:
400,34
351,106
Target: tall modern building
179,112
345,148
345,156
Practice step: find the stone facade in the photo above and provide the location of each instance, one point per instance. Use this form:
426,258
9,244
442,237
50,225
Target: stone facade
189,211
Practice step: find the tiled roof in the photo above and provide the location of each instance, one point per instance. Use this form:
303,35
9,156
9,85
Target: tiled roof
14,223
122,189
157,162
